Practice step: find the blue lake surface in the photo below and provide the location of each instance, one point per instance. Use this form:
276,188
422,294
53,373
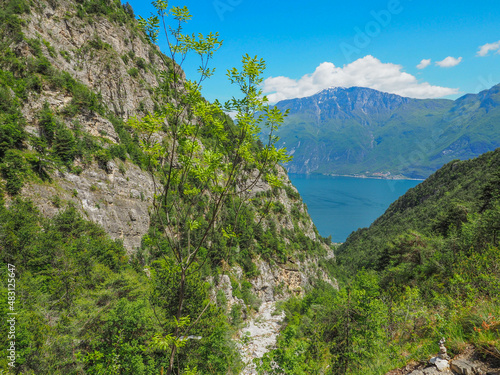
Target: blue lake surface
341,205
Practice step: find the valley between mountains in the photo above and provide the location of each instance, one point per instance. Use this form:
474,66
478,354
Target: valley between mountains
144,232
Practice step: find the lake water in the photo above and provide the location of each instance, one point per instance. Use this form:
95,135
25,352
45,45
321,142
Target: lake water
341,205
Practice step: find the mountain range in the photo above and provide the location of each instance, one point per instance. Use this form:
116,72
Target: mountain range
364,132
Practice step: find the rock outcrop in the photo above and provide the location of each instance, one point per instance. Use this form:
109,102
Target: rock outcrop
111,59
118,199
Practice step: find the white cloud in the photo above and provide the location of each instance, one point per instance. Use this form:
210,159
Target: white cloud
449,62
365,72
424,64
232,114
484,50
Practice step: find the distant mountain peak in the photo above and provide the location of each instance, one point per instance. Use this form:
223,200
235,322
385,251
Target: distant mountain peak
361,131
344,101
334,88
358,89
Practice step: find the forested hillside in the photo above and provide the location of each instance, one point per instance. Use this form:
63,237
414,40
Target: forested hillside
426,269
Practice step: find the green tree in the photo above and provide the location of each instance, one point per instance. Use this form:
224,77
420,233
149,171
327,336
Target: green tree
64,144
47,123
200,162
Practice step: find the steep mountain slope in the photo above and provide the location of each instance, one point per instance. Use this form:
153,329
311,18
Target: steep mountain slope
448,198
360,131
64,67
470,128
71,74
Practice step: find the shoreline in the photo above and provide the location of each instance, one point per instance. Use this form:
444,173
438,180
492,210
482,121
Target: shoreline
393,178
374,177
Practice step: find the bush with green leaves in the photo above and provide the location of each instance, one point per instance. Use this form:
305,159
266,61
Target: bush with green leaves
47,123
82,307
64,144
12,134
134,72
196,185
13,168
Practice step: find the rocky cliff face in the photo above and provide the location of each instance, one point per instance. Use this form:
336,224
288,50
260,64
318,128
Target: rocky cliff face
115,62
116,200
112,59
106,56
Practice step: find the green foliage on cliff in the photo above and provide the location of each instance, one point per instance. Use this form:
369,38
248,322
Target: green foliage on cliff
85,307
60,141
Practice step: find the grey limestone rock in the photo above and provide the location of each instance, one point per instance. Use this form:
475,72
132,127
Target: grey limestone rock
103,199
465,367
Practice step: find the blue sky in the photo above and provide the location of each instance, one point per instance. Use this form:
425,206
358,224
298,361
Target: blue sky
382,44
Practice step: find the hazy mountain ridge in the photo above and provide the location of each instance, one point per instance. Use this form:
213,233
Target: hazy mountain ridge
361,131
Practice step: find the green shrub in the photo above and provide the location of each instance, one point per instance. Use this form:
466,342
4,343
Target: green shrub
12,135
47,123
36,46
13,169
56,201
102,157
235,315
121,169
98,44
10,23
64,144
141,63
65,55
17,7
34,83
118,151
113,10
134,72
129,10
291,193
50,49
7,102
41,65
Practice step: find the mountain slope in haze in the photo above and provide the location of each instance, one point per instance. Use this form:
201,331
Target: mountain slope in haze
361,131
470,128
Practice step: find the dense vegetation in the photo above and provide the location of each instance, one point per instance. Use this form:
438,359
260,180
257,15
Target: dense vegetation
84,306
428,268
